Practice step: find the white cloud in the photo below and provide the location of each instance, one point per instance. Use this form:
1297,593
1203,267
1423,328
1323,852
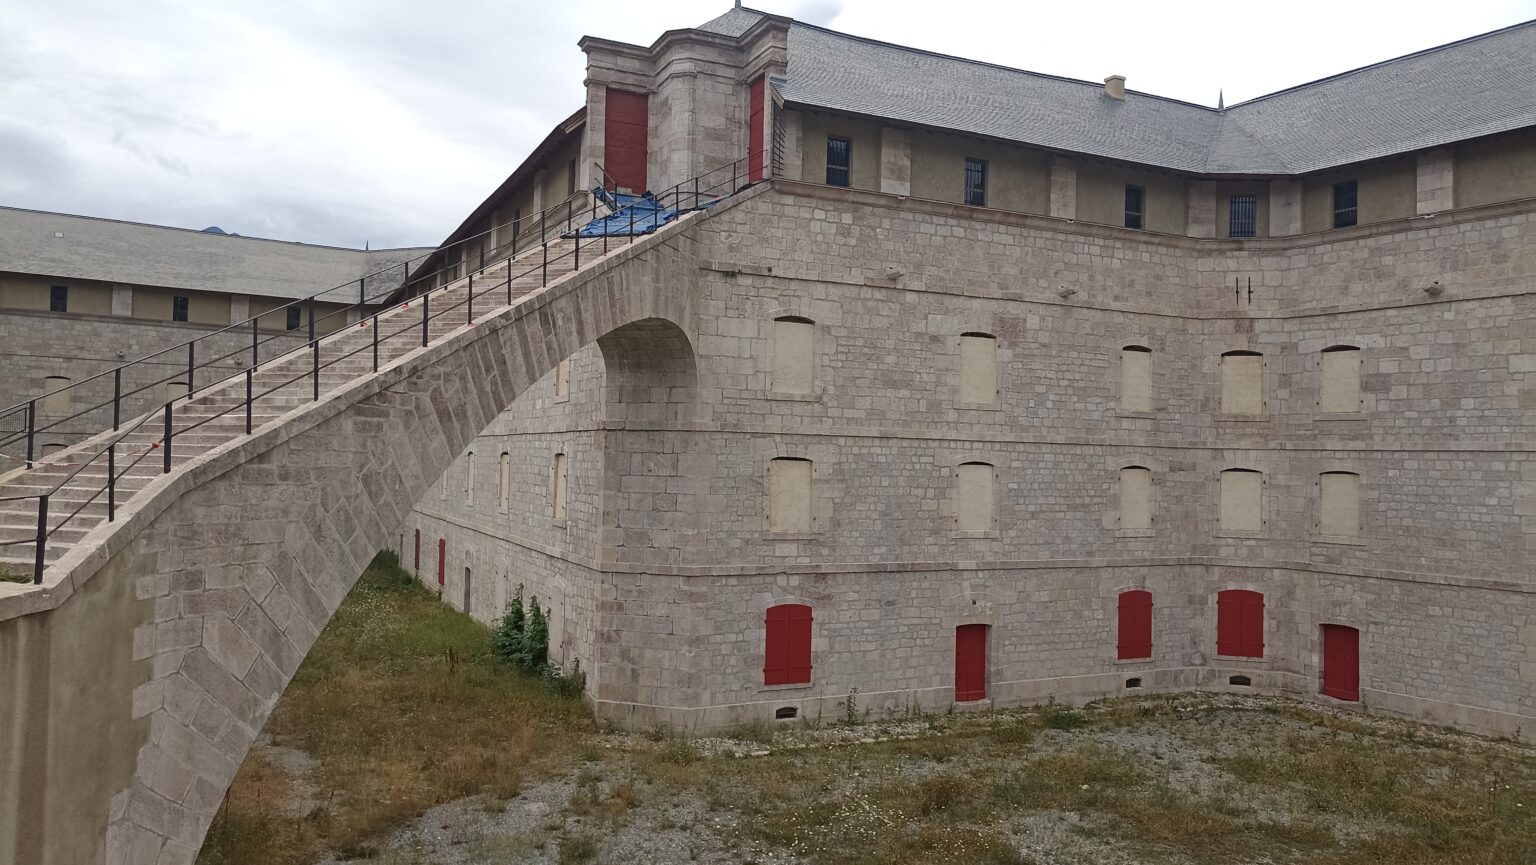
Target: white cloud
388,121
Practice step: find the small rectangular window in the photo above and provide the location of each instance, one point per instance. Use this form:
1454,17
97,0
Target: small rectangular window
839,158
179,308
1346,203
976,182
1242,216
58,298
1133,197
295,317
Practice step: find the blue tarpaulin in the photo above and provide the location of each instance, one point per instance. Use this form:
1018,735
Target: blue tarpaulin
632,215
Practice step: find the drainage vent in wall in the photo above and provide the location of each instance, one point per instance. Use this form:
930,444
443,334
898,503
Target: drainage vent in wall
1133,682
1240,680
785,713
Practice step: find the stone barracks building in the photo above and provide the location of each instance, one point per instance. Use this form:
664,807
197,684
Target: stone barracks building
1008,387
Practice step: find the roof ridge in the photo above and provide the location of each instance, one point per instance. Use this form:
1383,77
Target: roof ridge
203,232
999,66
1379,63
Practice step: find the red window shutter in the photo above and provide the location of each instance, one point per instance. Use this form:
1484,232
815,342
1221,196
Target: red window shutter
1341,662
442,561
1135,631
625,135
416,561
755,131
970,663
1240,623
787,645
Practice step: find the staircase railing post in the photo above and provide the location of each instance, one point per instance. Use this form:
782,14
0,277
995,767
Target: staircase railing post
509,281
255,344
375,342
469,303
362,297
249,398
111,482
314,354
31,428
576,265
117,398
42,540
425,318
544,242
166,439
695,191
191,367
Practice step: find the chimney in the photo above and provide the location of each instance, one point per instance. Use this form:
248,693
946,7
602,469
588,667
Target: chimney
1114,87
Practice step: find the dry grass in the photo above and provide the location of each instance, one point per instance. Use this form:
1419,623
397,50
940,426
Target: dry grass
402,707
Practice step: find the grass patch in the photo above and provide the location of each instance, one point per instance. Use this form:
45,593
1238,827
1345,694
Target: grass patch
403,707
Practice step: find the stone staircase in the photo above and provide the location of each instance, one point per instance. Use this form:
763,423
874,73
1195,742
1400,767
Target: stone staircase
216,415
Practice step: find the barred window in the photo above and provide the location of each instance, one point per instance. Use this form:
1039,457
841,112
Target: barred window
839,157
1133,198
179,308
1346,203
976,182
1242,219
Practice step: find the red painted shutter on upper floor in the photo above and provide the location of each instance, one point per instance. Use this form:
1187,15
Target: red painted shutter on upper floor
1341,662
1240,623
1135,625
626,127
787,648
442,561
755,149
970,663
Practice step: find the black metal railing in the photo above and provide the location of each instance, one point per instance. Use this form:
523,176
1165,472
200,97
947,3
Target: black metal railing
529,253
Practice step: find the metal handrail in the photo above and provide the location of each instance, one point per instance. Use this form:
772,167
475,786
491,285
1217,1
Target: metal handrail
694,191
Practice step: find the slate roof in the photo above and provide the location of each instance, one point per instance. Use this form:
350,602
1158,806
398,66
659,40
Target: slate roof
66,246
1453,92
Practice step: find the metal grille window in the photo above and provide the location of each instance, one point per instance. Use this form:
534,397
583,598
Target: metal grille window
1346,204
1133,197
839,157
58,298
294,318
1242,218
976,182
179,308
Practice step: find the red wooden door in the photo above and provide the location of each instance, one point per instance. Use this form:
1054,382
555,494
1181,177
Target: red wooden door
787,653
970,663
1341,662
755,131
1135,625
442,561
624,139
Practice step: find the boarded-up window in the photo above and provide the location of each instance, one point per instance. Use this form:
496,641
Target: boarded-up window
970,663
1240,624
1134,625
56,399
1242,500
975,497
1135,378
557,487
1135,497
504,481
1242,382
793,354
469,478
563,378
1341,379
1338,511
787,645
789,495
978,368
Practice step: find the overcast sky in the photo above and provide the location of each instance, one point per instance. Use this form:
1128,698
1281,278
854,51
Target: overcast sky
387,121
